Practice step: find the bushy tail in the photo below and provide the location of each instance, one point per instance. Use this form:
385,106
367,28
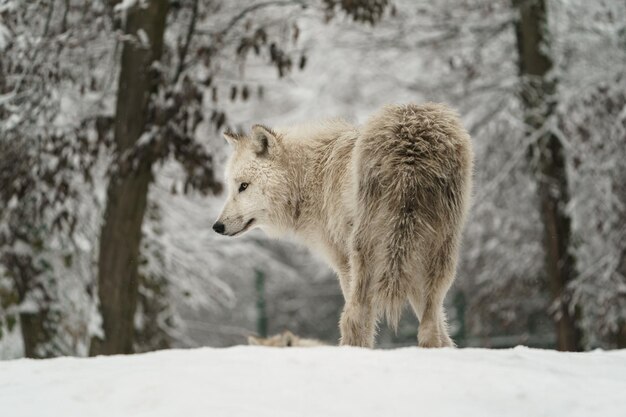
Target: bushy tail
396,275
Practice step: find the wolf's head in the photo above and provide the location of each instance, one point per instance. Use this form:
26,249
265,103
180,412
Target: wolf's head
255,180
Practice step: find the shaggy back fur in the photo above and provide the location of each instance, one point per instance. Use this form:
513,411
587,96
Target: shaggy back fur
384,203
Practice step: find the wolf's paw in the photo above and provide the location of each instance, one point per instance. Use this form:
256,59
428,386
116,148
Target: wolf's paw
436,343
431,343
353,340
431,338
356,330
446,341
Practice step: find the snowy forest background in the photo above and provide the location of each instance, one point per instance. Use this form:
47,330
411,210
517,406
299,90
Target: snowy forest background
111,160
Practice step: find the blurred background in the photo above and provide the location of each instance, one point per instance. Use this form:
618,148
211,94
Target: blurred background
111,165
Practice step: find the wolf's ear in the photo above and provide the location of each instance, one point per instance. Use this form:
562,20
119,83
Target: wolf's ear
231,137
265,140
253,341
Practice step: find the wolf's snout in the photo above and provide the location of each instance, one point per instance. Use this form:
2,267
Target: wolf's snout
219,227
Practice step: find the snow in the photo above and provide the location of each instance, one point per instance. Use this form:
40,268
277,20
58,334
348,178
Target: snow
329,381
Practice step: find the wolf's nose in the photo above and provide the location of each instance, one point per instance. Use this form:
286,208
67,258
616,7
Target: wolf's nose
219,227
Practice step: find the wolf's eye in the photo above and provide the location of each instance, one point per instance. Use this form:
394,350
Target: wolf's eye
243,186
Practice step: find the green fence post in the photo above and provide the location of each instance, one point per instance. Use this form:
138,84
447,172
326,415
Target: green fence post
261,309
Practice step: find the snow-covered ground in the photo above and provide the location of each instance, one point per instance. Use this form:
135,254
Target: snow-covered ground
320,382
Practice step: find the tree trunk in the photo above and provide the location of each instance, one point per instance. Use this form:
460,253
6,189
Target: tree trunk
548,154
35,334
620,337
620,334
127,193
38,327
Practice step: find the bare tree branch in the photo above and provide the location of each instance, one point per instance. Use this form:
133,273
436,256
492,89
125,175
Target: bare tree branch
258,6
185,48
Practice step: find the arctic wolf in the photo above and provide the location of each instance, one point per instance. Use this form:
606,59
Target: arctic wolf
284,339
384,203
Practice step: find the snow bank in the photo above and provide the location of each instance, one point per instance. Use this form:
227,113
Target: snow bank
320,382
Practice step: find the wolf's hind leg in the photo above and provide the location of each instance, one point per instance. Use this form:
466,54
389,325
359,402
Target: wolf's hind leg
433,330
417,304
358,320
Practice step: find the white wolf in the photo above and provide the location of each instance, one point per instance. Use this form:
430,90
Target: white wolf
384,203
